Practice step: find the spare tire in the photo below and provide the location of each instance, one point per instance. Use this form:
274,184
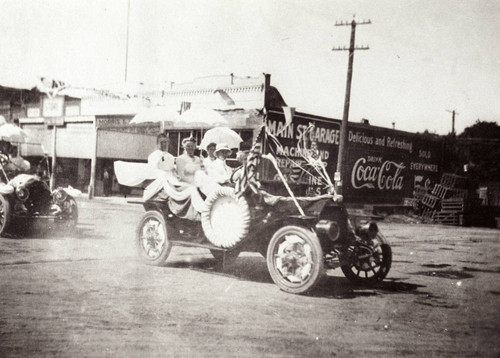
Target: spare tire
226,218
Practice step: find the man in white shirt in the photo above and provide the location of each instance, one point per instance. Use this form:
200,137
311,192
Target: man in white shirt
161,158
211,155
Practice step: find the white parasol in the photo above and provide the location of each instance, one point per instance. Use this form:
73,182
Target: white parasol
200,118
155,115
221,135
12,133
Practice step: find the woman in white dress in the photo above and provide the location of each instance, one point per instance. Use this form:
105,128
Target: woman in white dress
188,164
219,171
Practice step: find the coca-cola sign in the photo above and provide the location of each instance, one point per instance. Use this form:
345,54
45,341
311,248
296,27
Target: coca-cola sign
373,172
381,165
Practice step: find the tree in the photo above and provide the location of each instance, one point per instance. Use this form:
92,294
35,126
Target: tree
479,146
484,130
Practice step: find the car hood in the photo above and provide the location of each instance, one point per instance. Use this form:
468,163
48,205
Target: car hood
23,180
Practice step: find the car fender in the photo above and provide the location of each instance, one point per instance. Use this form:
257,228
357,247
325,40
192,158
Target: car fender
68,193
72,192
267,227
6,189
157,205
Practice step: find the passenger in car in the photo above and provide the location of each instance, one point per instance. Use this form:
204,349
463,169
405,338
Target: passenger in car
161,158
164,161
219,171
188,164
211,155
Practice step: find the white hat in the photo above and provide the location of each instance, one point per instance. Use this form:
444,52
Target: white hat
188,139
222,146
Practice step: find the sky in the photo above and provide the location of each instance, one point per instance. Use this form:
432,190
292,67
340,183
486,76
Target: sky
426,57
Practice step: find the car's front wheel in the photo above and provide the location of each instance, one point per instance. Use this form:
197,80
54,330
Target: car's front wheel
5,214
152,243
69,221
369,263
295,259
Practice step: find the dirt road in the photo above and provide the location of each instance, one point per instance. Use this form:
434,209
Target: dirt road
86,295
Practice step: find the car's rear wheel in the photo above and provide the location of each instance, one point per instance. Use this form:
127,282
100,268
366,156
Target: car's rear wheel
295,259
152,243
5,215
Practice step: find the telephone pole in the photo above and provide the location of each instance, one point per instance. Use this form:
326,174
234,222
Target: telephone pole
345,118
126,44
453,113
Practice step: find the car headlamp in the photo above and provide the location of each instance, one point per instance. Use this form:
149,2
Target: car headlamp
329,229
60,195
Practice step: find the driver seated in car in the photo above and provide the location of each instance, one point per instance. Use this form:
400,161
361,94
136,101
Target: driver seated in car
12,161
218,173
16,162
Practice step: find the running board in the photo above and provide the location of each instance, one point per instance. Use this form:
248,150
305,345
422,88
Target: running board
27,217
195,244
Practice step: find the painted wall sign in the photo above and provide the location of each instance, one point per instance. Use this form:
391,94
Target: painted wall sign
382,165
53,107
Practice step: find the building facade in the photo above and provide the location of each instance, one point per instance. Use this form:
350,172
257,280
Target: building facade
86,130
92,129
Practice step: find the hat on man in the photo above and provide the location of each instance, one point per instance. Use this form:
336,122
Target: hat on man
162,137
188,139
221,147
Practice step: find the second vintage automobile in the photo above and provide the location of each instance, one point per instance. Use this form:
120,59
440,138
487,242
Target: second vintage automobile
27,197
300,237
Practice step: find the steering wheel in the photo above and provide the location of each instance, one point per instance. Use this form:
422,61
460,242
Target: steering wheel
4,160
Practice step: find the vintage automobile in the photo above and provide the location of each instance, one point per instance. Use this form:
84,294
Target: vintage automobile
300,237
27,197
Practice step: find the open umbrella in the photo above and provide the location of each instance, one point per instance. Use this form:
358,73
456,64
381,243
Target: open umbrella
200,118
12,133
155,114
221,135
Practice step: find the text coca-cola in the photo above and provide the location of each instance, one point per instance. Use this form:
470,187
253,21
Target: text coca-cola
385,176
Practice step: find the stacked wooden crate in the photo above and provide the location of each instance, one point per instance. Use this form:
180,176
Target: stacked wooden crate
451,194
430,205
418,194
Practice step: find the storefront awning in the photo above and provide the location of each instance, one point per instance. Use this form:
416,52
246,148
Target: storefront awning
123,145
